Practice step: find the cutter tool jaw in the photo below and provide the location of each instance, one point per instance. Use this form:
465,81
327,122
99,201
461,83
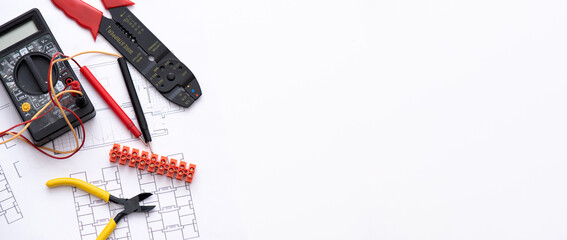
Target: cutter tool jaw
131,205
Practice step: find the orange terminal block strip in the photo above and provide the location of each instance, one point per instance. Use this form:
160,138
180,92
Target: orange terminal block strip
161,165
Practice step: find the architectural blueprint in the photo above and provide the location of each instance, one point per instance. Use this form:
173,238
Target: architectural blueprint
93,213
9,209
174,215
85,215
156,109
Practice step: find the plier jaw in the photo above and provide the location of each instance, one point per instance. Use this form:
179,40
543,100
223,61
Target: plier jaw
131,205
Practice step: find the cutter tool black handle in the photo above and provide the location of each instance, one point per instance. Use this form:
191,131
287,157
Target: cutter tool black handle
139,46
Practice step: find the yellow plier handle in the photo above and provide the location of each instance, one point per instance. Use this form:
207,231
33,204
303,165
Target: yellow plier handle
107,230
130,205
92,189
85,186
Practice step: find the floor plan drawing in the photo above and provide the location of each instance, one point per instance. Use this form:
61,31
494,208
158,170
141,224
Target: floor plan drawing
172,218
9,209
16,168
98,136
153,102
174,215
156,108
5,110
3,106
93,214
8,144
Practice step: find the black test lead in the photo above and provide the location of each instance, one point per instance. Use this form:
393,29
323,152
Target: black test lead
147,138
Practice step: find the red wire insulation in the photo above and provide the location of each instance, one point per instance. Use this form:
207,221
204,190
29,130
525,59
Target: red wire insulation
47,154
5,132
28,121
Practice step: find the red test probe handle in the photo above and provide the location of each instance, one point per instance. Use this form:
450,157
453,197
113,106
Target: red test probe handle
110,101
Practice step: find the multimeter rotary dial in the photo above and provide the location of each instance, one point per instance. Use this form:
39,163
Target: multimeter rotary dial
31,72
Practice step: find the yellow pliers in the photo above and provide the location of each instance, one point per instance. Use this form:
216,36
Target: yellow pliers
130,205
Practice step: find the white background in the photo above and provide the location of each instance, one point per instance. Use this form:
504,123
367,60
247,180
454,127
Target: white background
376,119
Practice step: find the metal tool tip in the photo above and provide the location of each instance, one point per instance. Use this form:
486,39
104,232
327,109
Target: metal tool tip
146,143
143,196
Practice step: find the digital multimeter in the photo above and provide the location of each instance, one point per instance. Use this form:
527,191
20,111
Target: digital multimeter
26,48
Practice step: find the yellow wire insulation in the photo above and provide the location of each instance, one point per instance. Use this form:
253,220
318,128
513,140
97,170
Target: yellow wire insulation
58,104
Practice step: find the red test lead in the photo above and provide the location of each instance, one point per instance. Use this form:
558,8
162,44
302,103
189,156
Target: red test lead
111,103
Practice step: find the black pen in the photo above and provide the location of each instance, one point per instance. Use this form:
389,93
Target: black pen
135,102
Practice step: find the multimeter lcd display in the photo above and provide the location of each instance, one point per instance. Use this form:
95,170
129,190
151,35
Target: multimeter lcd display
19,33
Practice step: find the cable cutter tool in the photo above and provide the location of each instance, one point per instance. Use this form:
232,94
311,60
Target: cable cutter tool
138,45
130,205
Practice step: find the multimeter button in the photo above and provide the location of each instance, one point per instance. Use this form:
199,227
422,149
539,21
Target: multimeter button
193,89
171,76
26,107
